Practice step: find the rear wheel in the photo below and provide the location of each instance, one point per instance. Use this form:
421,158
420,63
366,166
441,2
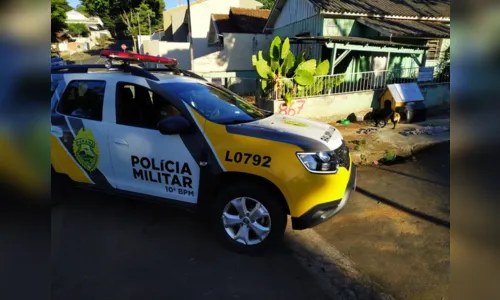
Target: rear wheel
249,219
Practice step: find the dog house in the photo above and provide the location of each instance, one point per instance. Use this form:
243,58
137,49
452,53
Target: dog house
406,99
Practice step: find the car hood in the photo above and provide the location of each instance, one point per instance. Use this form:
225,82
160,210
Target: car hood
309,135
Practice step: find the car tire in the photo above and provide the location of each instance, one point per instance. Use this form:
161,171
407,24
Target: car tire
252,194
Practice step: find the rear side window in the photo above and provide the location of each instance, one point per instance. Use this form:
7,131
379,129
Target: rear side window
83,99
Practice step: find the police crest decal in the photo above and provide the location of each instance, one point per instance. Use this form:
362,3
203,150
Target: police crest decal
86,150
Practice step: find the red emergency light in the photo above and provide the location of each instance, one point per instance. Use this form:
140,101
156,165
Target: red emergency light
119,55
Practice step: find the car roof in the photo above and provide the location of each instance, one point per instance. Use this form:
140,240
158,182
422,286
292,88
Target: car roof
163,77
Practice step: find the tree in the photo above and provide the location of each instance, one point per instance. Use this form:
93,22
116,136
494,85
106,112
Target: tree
443,67
267,4
58,9
79,29
98,8
137,21
112,13
82,9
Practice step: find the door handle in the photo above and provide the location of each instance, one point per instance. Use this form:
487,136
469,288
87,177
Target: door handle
57,131
120,142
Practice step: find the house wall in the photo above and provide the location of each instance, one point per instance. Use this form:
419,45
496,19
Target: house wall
141,39
331,108
236,55
299,17
313,25
346,27
180,30
179,51
201,18
444,44
294,11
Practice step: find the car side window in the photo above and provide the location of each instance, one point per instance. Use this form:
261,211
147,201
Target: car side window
83,99
138,106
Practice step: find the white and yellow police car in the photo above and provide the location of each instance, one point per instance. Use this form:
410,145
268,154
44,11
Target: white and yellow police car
159,135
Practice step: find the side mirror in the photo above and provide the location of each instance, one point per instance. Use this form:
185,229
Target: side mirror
174,125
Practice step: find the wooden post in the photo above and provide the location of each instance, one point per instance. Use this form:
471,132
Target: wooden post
424,58
332,67
334,56
387,64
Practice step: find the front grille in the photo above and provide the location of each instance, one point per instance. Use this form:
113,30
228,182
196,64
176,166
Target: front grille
342,154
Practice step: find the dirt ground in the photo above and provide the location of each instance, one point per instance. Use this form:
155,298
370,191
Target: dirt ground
384,142
395,228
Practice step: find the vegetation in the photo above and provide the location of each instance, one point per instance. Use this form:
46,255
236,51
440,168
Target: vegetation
102,41
113,13
389,156
83,10
288,77
267,4
79,29
136,20
58,9
443,67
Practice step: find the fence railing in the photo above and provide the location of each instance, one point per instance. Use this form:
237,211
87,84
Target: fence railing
249,88
351,82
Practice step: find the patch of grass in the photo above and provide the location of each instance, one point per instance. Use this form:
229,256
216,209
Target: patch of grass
389,155
358,148
364,159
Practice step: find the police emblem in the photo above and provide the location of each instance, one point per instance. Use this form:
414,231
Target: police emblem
86,150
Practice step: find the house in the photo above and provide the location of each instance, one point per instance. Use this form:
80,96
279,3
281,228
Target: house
60,41
365,35
176,22
239,20
94,24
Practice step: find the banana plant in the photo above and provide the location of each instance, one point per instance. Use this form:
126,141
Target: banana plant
287,76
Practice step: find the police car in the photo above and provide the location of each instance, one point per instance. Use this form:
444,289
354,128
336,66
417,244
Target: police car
166,134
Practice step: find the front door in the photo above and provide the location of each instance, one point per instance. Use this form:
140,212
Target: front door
144,160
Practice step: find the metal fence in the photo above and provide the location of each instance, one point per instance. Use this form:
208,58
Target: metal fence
352,82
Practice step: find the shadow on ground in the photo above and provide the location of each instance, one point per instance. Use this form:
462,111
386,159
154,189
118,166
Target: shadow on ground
396,226
115,248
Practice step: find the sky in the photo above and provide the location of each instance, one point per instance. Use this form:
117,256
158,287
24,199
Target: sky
168,3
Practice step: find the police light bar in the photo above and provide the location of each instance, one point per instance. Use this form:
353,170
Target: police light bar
119,55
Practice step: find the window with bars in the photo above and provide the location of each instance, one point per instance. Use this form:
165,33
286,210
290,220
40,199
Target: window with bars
434,50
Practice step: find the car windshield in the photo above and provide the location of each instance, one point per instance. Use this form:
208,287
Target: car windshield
215,104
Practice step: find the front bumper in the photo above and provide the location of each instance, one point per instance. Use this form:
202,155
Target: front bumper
322,212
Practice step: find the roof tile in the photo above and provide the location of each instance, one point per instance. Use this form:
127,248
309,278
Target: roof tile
409,28
402,8
242,20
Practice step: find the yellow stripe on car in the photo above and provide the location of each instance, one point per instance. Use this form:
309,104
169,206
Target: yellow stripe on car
63,162
302,189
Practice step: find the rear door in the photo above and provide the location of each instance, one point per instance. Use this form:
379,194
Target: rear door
79,141
144,160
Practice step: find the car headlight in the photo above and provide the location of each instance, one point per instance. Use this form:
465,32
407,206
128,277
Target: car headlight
325,162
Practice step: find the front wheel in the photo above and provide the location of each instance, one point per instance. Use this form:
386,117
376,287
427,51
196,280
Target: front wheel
249,219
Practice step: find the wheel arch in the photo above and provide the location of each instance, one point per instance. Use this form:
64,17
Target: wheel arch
230,178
